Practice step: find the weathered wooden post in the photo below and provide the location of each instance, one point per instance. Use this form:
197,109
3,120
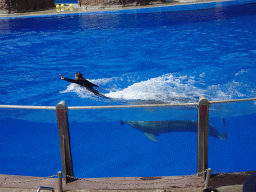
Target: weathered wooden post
202,140
64,137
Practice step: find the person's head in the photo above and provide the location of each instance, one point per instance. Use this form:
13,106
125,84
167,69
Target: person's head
78,75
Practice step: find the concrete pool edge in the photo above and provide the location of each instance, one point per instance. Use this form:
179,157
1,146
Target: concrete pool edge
172,6
222,182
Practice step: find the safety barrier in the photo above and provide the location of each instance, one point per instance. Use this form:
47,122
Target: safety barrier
64,137
122,106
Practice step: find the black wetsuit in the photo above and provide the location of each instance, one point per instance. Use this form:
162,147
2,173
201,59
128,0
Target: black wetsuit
85,83
88,85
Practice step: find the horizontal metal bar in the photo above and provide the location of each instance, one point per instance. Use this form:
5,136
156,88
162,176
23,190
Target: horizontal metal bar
132,106
122,106
231,101
27,107
97,107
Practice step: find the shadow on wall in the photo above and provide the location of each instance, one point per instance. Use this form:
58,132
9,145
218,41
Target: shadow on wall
120,2
19,6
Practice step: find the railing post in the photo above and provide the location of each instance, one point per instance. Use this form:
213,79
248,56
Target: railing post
202,140
64,138
208,176
60,181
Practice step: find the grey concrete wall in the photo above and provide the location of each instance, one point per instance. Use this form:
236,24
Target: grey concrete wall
2,4
120,2
19,6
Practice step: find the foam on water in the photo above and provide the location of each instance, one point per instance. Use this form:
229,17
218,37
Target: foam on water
183,87
165,88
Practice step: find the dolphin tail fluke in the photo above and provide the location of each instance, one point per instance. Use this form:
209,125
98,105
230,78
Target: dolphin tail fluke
224,136
150,136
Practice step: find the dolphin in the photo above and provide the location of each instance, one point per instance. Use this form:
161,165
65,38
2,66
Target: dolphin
152,128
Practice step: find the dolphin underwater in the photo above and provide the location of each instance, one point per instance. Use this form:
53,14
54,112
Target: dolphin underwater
152,128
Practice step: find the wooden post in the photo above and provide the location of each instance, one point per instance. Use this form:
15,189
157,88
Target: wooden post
202,140
64,137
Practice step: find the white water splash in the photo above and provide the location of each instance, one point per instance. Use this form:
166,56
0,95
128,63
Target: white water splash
167,88
80,91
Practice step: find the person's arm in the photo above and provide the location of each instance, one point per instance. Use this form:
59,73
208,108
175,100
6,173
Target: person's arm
69,80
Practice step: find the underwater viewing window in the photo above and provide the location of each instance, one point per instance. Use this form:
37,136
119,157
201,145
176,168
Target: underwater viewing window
129,140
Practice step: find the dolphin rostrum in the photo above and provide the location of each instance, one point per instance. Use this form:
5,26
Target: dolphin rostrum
152,128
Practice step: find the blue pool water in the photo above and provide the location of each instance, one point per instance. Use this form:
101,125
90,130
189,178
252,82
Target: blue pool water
66,1
159,55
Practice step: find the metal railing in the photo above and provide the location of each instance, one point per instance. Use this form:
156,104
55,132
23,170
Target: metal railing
122,106
64,137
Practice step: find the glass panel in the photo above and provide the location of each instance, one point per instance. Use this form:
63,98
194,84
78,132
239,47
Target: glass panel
128,142
134,114
29,142
34,115
224,110
116,145
238,152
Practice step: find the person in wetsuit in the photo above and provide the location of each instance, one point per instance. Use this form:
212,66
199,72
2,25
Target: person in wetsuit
80,80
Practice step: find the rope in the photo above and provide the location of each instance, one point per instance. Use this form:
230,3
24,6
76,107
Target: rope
28,181
137,182
122,106
234,173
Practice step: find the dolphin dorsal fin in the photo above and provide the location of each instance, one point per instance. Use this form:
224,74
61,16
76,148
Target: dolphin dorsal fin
150,136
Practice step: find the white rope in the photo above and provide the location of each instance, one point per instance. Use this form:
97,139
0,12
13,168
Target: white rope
28,181
140,182
122,106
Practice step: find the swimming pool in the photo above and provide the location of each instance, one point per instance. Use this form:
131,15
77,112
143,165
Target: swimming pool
167,54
